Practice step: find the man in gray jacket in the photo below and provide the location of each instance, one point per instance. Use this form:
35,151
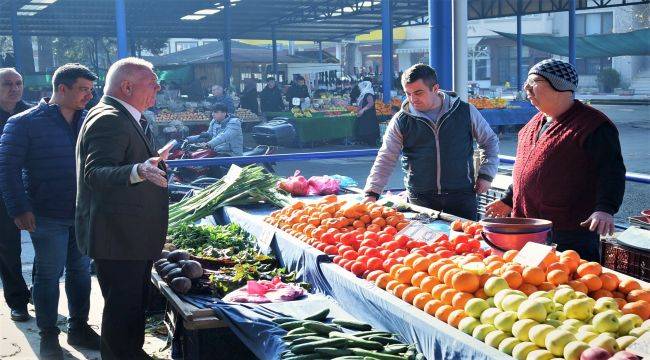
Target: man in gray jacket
435,132
224,135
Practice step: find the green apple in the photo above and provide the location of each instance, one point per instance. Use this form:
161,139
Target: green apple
507,344
638,331
587,327
475,306
521,328
495,284
498,298
494,338
573,323
549,305
646,324
554,323
559,307
512,302
538,333
624,341
556,340
490,301
604,304
533,310
628,322
606,342
541,293
581,295
556,315
468,324
574,349
505,320
481,331
539,354
606,321
563,295
586,336
580,309
521,350
487,316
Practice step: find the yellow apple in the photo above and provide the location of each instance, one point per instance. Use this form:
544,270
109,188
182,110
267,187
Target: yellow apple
481,331
574,349
521,328
487,316
494,338
580,309
505,320
538,333
475,306
521,350
606,321
468,324
624,341
512,302
563,295
556,340
539,354
533,310
508,344
606,342
495,284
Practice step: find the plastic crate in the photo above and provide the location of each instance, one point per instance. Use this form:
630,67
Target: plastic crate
624,259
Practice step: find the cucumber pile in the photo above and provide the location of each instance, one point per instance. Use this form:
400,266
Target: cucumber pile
313,338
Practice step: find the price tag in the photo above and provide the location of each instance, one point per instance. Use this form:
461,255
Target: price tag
265,238
641,346
532,254
420,232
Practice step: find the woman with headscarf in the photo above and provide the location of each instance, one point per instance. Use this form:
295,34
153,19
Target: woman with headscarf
367,129
248,98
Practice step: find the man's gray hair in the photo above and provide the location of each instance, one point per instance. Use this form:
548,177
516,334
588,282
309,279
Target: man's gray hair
124,69
8,70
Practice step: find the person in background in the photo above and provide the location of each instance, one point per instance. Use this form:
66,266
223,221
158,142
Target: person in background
582,198
37,178
15,289
367,127
218,97
298,89
271,97
224,134
435,132
248,98
354,93
122,203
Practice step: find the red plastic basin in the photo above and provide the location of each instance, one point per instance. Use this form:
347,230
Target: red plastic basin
506,242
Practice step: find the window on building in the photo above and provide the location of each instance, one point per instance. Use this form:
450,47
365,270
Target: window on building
479,63
594,23
184,45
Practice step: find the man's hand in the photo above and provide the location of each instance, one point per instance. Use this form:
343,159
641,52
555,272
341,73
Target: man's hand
149,171
497,208
482,186
26,221
601,222
369,199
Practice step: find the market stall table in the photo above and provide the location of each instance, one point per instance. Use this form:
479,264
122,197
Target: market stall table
518,112
320,128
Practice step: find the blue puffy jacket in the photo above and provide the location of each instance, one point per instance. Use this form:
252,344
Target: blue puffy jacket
37,162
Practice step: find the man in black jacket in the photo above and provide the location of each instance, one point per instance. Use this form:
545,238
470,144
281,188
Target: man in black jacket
15,289
298,89
122,203
271,97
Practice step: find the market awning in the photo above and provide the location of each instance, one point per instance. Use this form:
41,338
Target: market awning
606,45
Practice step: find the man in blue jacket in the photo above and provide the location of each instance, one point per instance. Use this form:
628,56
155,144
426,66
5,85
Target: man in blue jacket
38,184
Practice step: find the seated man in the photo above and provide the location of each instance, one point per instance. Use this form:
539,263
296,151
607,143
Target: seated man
224,133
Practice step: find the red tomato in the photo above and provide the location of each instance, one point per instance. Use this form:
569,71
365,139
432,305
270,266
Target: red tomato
474,244
374,263
369,243
358,237
390,230
337,259
391,245
370,235
348,266
328,238
344,248
388,263
418,251
344,262
385,253
463,248
402,240
384,238
330,250
373,252
351,255
347,238
441,237
401,252
363,258
358,268
445,253
440,249
363,249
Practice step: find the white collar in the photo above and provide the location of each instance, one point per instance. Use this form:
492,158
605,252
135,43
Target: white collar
133,111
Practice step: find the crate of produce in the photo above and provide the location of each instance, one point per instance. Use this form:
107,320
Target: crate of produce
625,259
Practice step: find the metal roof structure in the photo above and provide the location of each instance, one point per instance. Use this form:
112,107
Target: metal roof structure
324,20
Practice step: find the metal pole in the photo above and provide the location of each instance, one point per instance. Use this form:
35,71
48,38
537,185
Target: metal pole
96,49
446,64
520,48
387,48
460,48
572,32
227,50
120,23
274,42
432,34
320,52
15,36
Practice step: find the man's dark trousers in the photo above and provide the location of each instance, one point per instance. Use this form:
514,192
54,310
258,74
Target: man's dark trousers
125,287
13,283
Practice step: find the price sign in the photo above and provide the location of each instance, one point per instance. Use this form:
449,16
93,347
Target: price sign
641,346
265,238
420,232
532,254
